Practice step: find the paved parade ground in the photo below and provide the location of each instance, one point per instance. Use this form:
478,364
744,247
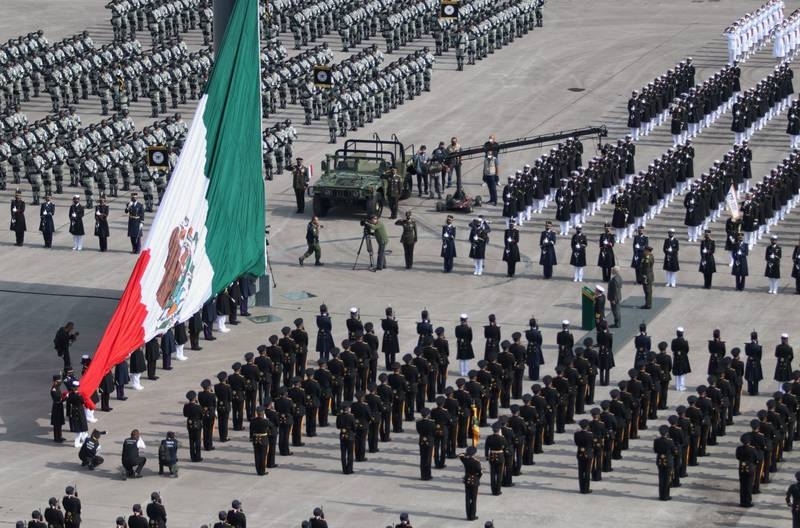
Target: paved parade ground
576,71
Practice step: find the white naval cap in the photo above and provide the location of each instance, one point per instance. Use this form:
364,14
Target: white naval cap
784,336
680,329
599,288
353,310
76,383
565,322
463,316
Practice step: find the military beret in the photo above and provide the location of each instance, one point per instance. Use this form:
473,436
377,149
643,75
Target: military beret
286,330
273,339
735,351
632,373
505,344
249,356
236,504
236,366
261,349
191,395
206,383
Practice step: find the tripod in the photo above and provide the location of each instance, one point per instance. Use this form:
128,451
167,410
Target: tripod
366,237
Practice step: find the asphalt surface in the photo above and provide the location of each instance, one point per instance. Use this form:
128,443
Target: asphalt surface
576,71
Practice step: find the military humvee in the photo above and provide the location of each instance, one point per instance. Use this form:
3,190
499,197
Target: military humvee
358,175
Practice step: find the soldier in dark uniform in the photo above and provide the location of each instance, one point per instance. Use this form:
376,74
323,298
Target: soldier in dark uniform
747,456
236,516
72,508
237,384
313,392
605,255
53,514
346,424
376,409
363,416
740,269
784,354
18,218
511,248
448,252
707,263
547,241
443,422
412,377
194,425
491,333
565,341
534,349
496,447
208,402
250,374
753,372
285,409
426,428
137,520
646,278
298,397
598,429
443,348
666,451
584,441
324,380
772,257
57,409
386,394
260,431
266,368
472,479
408,238
135,212
289,354
354,324
424,327
272,416
300,337
156,513
46,221
680,359
390,345
464,351
325,341
793,500
76,414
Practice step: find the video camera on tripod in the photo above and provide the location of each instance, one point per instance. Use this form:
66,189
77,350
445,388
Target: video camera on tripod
366,236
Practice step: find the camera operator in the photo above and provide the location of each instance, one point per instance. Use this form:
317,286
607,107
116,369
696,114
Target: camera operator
312,239
89,449
64,338
373,227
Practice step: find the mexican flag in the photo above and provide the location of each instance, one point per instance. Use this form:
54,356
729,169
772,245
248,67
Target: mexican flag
209,228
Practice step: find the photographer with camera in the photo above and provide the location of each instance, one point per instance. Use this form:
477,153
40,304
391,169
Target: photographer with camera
89,449
63,339
374,227
312,239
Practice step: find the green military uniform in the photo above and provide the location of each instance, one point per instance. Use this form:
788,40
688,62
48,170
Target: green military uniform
408,238
312,239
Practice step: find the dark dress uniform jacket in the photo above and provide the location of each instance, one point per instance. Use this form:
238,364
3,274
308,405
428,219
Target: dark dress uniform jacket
464,342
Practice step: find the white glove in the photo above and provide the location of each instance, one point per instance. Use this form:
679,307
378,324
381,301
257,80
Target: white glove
130,204
97,213
636,246
577,246
705,251
669,250
605,242
14,210
445,235
739,252
74,215
475,238
509,239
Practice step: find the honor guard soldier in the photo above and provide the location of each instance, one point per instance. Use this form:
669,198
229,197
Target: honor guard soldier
747,456
464,351
137,520
784,355
53,514
156,513
394,191
208,401
390,344
194,425
646,277
300,180
224,394
236,516
584,441
772,271
496,447
666,451
793,499
346,424
426,428
448,252
261,430
472,479
284,406
547,241
18,218
72,508
135,212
